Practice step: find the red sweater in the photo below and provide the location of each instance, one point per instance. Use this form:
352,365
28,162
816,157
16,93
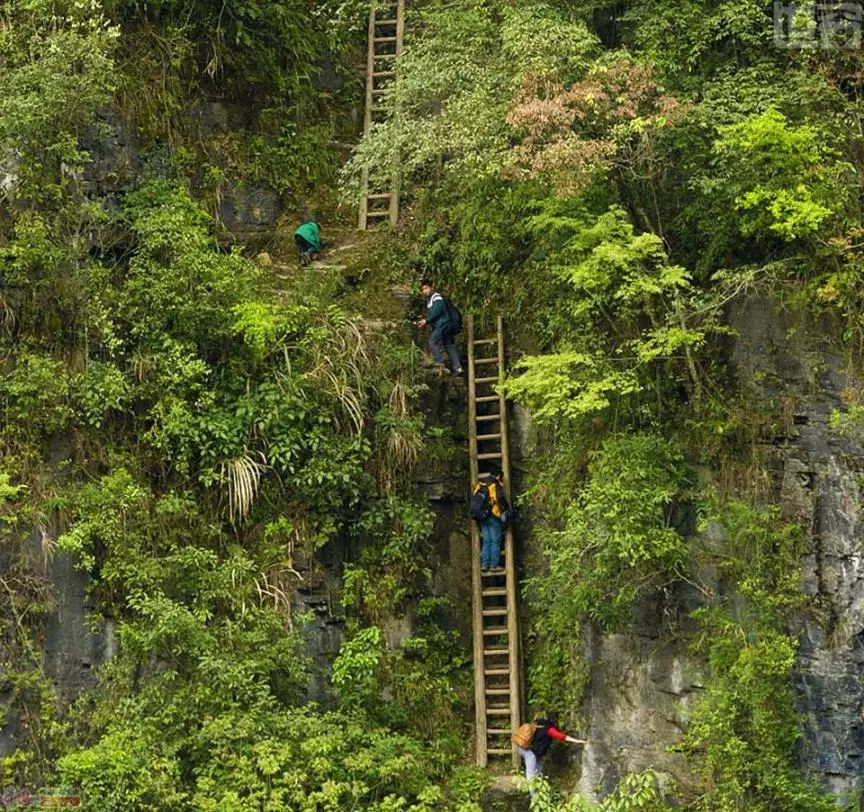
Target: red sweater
543,738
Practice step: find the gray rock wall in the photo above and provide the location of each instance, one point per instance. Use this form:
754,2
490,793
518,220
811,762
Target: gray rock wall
643,683
817,474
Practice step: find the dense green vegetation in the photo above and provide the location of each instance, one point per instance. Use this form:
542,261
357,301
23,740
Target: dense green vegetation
617,177
194,432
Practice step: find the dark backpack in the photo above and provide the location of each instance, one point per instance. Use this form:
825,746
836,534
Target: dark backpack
454,316
481,503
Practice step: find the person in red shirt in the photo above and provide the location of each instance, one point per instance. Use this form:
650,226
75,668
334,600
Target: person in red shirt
547,731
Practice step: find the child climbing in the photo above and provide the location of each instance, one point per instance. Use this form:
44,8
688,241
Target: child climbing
533,742
490,509
307,238
445,321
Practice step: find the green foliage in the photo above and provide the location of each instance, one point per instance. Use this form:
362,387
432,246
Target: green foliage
456,81
388,568
195,437
783,179
56,71
36,394
618,536
626,309
249,42
288,760
222,433
604,547
637,791
356,669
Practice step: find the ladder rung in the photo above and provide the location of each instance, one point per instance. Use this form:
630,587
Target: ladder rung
495,652
497,751
497,692
496,672
485,360
487,398
483,437
485,340
498,731
497,711
385,39
380,74
494,572
499,612
493,378
495,630
494,592
485,418
378,213
382,196
385,56
485,456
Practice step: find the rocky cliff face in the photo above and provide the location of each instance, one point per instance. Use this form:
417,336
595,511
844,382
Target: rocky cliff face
643,683
817,475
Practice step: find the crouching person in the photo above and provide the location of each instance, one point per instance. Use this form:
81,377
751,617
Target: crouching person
533,741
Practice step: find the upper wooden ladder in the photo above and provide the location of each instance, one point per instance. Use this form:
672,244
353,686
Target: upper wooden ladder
497,666
380,192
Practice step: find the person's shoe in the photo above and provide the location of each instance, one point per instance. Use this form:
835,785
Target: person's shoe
457,372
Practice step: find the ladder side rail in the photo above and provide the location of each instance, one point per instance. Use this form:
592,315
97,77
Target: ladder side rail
481,744
367,116
510,556
395,185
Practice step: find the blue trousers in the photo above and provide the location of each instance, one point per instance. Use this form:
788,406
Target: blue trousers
533,766
491,532
438,338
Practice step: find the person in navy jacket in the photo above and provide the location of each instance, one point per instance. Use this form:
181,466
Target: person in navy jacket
438,318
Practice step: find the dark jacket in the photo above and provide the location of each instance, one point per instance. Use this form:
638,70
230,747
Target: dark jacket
437,315
544,736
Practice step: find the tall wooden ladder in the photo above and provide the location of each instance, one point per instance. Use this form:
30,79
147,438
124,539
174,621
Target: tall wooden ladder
379,199
497,666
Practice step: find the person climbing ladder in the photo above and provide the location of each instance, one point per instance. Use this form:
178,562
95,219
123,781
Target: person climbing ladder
445,321
490,509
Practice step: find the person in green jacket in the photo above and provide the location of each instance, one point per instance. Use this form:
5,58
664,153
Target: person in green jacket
308,241
438,318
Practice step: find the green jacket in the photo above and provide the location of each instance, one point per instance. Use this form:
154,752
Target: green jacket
437,315
310,232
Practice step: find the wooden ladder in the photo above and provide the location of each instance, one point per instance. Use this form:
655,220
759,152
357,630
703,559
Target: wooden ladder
497,666
380,195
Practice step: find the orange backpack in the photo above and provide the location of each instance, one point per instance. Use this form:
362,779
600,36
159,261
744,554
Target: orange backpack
524,735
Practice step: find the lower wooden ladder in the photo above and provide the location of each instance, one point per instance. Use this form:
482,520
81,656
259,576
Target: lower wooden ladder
497,665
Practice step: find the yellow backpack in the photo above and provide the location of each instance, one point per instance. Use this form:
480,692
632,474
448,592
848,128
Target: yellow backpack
524,736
